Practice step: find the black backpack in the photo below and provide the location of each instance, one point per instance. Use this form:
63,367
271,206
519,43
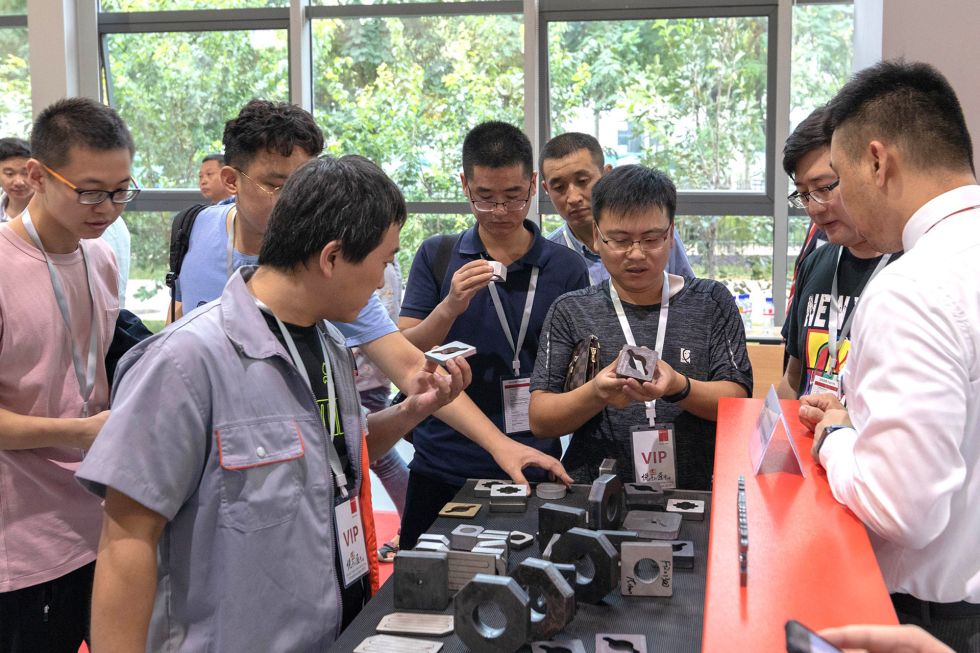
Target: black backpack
180,241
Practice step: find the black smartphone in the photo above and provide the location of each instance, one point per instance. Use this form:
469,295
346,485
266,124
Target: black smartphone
800,639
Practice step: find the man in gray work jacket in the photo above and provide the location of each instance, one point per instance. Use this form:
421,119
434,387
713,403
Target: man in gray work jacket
232,460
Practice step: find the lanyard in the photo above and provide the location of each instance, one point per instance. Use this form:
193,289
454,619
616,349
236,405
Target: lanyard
832,335
230,249
85,375
661,330
335,466
525,318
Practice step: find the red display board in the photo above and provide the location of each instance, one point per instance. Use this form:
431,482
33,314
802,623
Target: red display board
809,557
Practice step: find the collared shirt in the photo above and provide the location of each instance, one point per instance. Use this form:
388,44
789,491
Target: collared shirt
440,452
676,264
213,428
910,469
205,271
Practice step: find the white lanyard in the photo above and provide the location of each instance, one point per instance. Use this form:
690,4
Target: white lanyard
661,330
335,465
231,241
525,318
84,375
832,335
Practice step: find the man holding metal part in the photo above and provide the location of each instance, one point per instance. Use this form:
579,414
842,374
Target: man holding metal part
661,429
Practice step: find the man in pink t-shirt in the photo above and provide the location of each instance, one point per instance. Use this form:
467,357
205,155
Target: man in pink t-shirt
58,307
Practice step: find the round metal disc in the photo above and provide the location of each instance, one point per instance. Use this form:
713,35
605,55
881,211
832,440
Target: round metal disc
550,491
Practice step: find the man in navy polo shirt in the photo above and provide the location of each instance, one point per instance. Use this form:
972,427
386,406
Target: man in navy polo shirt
498,318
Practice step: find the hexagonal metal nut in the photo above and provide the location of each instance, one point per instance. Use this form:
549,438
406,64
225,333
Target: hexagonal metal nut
606,505
580,543
512,601
552,598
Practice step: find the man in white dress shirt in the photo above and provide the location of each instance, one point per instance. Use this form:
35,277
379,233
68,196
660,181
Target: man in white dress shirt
905,456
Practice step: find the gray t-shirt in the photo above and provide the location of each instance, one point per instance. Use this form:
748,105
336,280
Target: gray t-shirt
705,340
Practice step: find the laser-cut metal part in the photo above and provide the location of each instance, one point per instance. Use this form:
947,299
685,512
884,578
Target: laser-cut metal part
512,602
552,598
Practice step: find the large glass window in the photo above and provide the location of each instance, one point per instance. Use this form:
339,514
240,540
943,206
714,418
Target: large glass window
420,226
822,53
685,95
177,90
15,83
404,91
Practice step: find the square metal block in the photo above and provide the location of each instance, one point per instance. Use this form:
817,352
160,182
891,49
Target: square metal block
464,565
644,496
421,580
620,643
647,569
484,485
464,536
683,554
692,509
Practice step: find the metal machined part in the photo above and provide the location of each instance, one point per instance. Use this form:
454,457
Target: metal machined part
483,486
550,491
394,644
606,506
647,569
692,509
511,602
414,623
464,565
592,551
464,537
644,496
460,510
552,598
554,519
421,580
620,643
653,525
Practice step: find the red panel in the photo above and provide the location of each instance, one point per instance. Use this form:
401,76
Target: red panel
809,557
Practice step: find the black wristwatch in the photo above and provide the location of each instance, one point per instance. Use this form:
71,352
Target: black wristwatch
682,395
826,433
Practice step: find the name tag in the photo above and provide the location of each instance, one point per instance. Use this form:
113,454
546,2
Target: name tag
653,455
516,399
826,384
350,539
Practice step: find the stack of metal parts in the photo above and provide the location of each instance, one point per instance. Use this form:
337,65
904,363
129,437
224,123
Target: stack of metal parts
624,535
743,534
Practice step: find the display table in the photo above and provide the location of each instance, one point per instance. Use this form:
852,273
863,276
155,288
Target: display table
670,624
810,558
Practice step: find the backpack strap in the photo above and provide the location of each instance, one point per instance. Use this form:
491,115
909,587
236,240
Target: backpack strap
440,263
180,242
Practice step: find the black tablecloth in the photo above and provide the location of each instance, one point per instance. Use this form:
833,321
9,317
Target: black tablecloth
671,624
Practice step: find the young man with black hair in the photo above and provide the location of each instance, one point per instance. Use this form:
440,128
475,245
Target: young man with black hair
209,179
831,280
571,164
263,146
663,429
905,455
15,189
502,319
58,306
231,463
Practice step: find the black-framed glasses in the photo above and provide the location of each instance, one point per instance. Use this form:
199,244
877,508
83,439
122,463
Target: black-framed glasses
271,192
820,195
624,245
89,197
510,206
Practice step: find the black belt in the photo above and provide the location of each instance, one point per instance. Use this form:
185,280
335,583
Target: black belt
931,610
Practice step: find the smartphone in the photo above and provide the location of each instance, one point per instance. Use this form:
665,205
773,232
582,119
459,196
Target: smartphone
800,639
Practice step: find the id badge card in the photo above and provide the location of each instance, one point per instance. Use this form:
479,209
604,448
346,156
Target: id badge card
653,455
350,539
516,399
826,383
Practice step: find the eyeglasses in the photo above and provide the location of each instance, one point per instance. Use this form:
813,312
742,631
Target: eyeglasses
118,196
510,206
624,245
821,195
275,190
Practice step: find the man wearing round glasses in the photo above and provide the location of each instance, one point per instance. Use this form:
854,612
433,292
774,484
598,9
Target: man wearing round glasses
832,278
58,306
501,319
661,430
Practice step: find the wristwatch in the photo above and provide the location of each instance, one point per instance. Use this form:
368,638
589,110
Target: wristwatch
682,395
827,431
